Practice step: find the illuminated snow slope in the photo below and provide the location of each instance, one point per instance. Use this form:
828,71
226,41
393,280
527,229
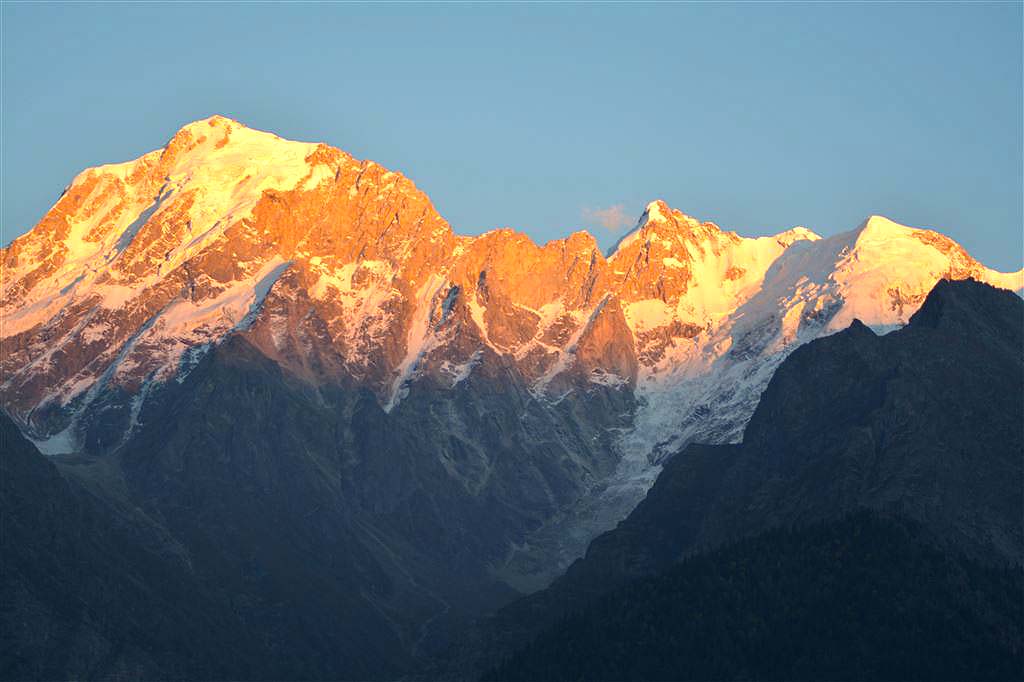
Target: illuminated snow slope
143,266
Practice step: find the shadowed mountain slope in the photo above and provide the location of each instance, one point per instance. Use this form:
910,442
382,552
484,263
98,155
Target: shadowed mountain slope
862,598
359,429
90,591
923,424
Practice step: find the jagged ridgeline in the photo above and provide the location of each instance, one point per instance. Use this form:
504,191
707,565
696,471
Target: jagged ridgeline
284,365
880,483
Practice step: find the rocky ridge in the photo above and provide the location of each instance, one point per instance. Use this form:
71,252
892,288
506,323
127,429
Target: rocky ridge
345,275
922,425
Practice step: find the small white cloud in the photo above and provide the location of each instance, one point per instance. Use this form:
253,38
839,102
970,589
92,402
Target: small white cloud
613,219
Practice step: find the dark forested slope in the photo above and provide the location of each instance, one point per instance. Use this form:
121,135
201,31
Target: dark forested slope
924,424
863,598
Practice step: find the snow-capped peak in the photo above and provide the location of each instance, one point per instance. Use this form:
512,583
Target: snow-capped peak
322,260
796,234
203,124
214,120
880,227
626,239
657,211
657,214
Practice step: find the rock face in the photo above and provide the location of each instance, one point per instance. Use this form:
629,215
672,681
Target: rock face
923,424
343,272
335,542
528,392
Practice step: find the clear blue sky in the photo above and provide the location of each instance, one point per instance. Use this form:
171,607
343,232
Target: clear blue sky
540,117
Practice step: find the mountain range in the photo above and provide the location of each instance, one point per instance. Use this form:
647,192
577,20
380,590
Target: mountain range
277,369
921,427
